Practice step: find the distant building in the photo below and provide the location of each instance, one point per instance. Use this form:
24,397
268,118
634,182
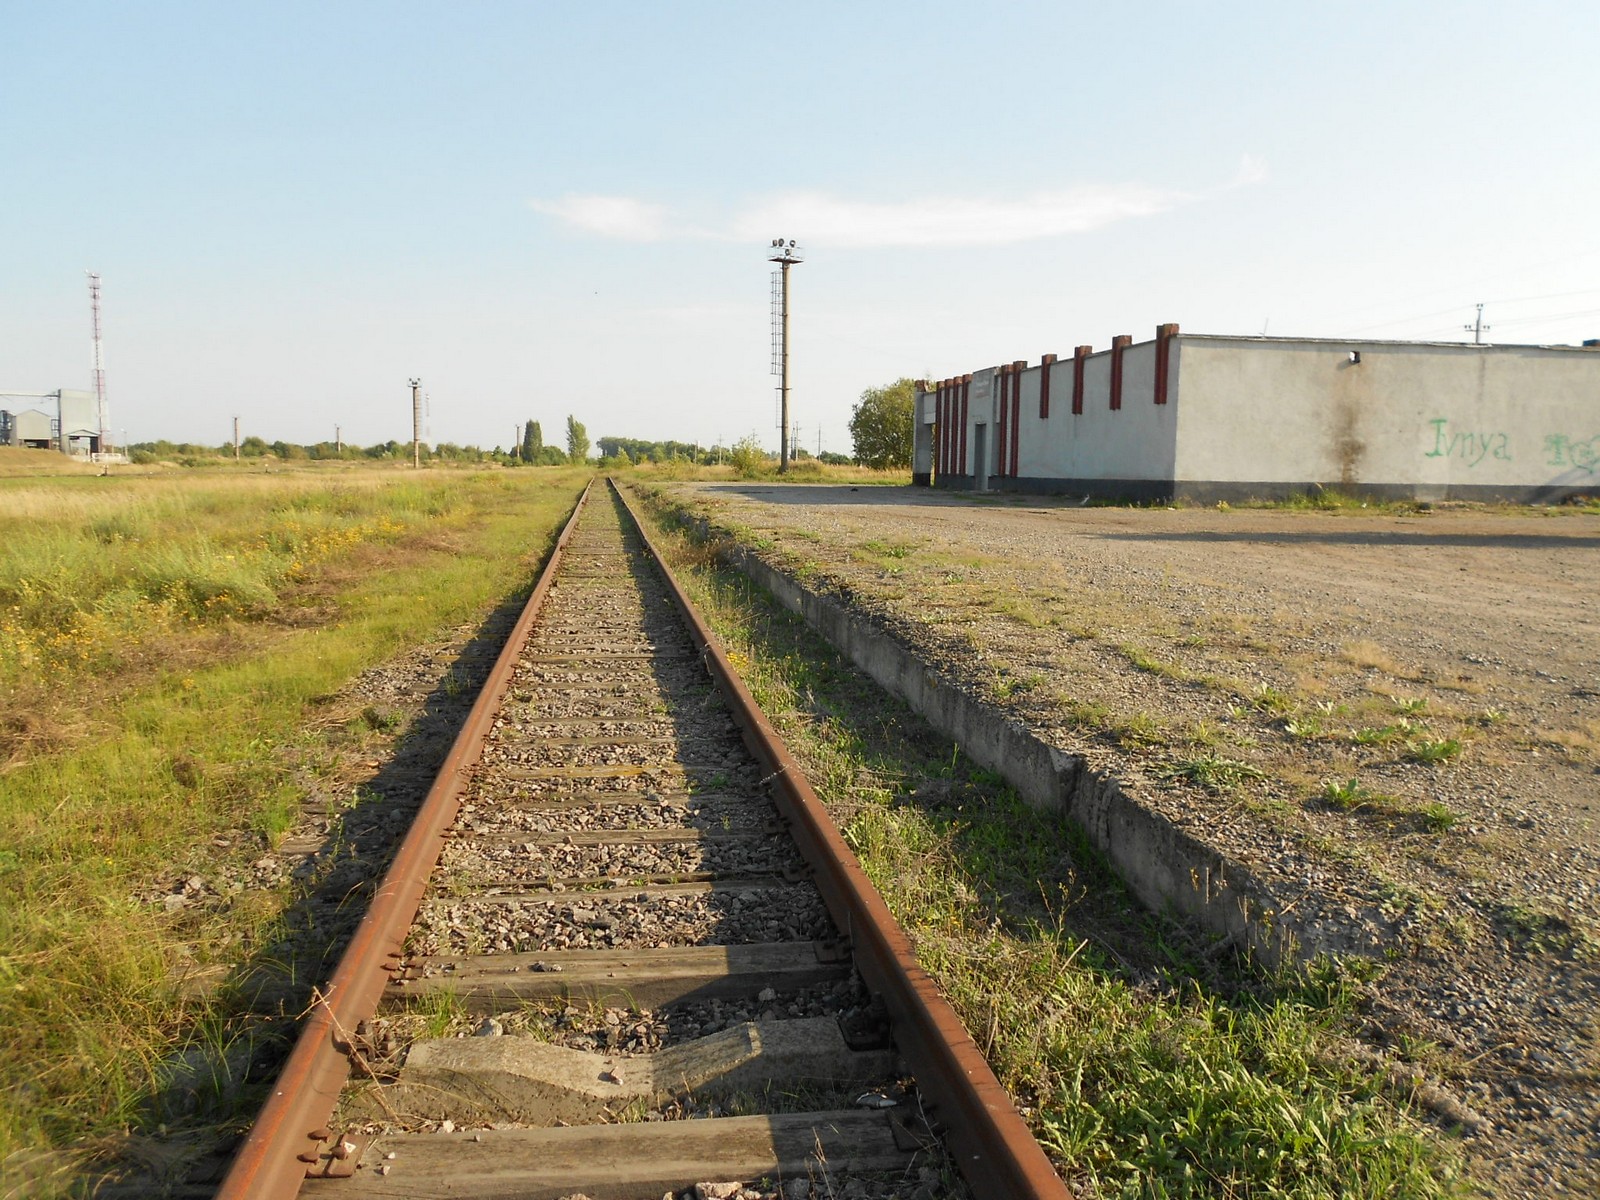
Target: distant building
73,427
1205,418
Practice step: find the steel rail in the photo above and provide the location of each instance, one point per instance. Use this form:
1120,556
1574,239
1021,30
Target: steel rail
992,1146
288,1134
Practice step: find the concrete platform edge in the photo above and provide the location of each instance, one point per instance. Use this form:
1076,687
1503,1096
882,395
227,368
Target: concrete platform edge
1162,865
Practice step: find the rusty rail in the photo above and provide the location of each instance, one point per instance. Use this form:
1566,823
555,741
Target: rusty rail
289,1134
991,1144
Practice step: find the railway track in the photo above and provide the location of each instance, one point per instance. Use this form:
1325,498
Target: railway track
622,951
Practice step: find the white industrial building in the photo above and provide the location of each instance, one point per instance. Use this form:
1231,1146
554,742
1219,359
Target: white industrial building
1204,417
69,422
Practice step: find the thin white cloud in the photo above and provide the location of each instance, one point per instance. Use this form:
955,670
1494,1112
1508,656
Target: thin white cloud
1252,169
938,220
933,219
620,217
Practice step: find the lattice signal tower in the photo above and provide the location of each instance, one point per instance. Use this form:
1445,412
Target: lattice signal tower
98,364
785,254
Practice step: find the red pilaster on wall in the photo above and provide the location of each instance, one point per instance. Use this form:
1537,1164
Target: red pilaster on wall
955,427
1080,355
1017,368
1044,386
966,394
1002,455
942,419
1164,336
1118,344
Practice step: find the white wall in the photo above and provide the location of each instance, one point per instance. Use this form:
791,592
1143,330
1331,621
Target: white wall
1135,442
1433,419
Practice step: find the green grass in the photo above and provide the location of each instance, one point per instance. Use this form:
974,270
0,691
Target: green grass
1143,660
1535,929
1210,771
1384,735
199,736
1207,1081
1325,499
1345,794
1432,750
1439,818
1269,699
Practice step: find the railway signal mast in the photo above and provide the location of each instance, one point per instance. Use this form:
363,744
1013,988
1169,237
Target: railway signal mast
785,254
98,365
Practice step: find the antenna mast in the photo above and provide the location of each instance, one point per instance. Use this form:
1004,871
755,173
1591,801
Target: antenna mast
97,363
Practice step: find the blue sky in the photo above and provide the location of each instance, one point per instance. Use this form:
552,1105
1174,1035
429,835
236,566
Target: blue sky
543,209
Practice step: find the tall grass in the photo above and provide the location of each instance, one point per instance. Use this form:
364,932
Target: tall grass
183,716
87,577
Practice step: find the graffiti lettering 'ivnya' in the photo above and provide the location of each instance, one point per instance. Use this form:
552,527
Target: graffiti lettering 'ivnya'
1564,451
1470,448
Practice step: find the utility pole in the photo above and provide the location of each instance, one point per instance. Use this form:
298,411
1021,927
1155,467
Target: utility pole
1477,327
785,254
416,423
236,439
338,441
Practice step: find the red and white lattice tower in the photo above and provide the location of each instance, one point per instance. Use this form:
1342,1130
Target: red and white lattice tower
98,363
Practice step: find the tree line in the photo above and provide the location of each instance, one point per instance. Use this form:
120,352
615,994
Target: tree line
880,430
532,451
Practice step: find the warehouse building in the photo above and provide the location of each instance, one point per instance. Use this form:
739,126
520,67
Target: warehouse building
1204,418
68,422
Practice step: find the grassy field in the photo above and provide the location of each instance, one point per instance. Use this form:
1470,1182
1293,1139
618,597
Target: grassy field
1149,1063
164,638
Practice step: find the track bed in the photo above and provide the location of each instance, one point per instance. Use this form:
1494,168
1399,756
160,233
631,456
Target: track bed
630,960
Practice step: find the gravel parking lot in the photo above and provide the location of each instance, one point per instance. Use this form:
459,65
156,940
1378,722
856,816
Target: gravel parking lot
1390,717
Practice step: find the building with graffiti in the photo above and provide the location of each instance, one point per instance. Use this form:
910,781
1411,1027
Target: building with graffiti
1204,417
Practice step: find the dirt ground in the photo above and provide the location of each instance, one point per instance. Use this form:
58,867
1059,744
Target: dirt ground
1391,718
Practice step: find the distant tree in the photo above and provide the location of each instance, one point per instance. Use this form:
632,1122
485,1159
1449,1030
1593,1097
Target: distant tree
577,440
833,459
550,456
880,425
532,442
253,447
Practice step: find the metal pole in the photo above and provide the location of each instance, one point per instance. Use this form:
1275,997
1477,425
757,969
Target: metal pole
416,423
236,439
783,438
785,254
